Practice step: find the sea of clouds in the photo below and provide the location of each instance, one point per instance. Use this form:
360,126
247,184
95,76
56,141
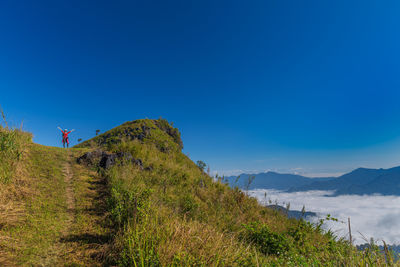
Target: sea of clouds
373,216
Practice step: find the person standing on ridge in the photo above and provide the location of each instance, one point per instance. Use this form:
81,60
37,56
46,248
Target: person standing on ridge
65,134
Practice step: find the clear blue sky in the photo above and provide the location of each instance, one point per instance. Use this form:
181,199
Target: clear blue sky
294,86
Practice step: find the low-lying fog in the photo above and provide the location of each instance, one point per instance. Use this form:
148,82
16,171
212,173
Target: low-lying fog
373,216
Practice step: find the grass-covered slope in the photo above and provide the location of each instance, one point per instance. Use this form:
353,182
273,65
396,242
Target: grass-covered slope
169,212
154,207
51,209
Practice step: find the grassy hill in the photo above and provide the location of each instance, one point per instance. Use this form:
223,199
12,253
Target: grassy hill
150,205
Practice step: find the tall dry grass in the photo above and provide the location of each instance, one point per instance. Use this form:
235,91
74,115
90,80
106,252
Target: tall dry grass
13,183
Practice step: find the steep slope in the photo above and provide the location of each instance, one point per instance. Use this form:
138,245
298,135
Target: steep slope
166,211
272,180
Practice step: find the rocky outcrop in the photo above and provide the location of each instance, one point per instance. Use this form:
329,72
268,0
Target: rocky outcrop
90,158
109,160
106,160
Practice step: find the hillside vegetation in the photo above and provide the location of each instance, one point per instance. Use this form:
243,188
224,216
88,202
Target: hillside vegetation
135,199
169,212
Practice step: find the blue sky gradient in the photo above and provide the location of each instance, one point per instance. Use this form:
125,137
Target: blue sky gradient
309,87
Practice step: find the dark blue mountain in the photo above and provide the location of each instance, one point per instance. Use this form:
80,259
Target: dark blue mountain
271,180
361,181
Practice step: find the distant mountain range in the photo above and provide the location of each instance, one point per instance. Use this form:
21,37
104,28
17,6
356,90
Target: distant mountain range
293,213
361,181
272,180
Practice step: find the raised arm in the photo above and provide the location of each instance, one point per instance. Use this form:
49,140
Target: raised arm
60,129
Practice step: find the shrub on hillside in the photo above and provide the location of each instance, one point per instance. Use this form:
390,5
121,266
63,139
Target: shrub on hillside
188,204
201,164
164,125
268,242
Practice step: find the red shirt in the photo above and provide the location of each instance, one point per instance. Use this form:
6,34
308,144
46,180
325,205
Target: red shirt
65,134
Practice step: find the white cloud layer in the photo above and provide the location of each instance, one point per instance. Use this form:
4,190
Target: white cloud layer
373,216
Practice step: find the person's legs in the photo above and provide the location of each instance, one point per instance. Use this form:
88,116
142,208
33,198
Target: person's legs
67,143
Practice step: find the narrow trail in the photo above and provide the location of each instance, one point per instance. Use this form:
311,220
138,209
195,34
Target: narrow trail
84,239
70,198
64,218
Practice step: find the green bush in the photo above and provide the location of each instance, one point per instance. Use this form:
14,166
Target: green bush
201,164
188,204
268,242
127,204
164,125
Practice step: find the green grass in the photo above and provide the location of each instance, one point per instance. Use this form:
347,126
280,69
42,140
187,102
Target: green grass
44,217
42,232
